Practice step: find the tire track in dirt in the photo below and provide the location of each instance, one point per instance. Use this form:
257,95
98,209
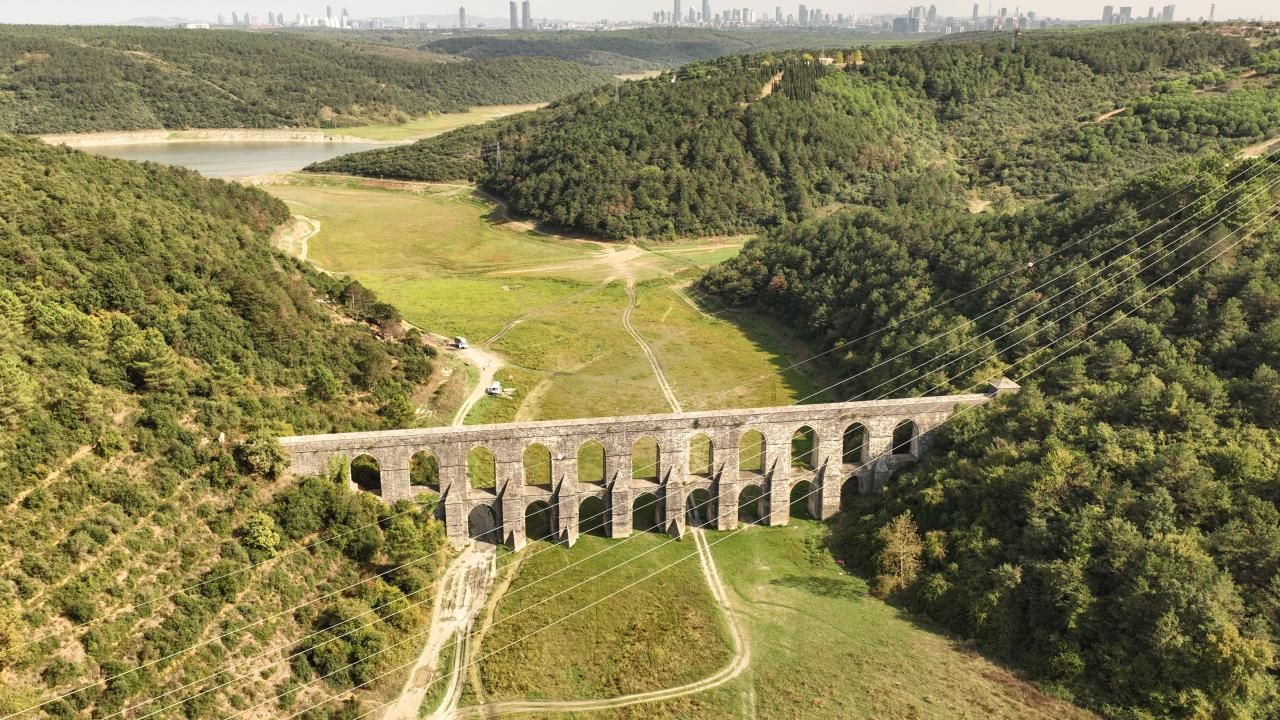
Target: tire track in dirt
648,352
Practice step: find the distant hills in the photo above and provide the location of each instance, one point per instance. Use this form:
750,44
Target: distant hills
751,141
59,80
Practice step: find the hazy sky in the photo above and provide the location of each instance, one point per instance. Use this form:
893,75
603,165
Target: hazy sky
96,11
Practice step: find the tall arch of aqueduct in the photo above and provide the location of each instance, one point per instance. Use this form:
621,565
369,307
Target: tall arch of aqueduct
831,468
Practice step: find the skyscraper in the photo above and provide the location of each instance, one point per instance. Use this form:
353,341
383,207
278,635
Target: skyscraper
706,12
526,16
804,16
1166,13
675,12
1107,12
515,16
975,11
462,18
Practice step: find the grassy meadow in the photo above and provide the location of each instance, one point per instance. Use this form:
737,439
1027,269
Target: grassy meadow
652,635
821,646
551,306
432,125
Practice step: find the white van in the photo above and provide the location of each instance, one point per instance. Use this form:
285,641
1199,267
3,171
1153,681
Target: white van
460,343
495,388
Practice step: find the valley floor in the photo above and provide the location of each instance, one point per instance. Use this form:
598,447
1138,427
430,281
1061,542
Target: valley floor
585,328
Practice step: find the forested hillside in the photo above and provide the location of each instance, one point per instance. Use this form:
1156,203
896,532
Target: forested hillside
1114,529
713,148
55,80
635,51
151,347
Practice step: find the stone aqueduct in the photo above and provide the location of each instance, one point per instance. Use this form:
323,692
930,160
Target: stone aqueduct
852,448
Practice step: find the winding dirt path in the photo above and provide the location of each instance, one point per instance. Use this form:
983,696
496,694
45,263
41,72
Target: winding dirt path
462,594
738,664
487,363
648,352
293,238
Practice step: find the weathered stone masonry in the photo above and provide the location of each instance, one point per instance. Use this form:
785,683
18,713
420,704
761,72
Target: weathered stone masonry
501,510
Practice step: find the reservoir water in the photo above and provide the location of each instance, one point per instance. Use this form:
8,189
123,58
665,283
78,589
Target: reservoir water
233,159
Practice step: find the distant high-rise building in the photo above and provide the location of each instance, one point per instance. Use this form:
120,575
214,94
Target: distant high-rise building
1107,13
271,18
235,18
222,19
675,12
803,15
933,13
777,14
515,16
526,16
706,12
462,18
975,11
1126,13
328,15
1166,13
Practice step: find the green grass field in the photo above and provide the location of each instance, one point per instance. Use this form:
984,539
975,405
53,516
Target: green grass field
448,260
821,645
653,635
433,125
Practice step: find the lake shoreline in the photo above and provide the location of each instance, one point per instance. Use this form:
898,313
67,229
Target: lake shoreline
210,135
386,135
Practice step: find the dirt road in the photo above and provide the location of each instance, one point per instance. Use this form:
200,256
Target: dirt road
487,364
648,352
461,595
737,665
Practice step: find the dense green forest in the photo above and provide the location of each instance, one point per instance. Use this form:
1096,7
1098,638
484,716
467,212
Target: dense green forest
151,348
635,51
1114,529
711,149
55,80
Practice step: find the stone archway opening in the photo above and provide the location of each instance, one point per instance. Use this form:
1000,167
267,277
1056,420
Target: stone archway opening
591,462
750,500
698,509
904,438
593,517
539,521
701,456
644,513
366,473
751,448
482,468
854,445
537,465
802,495
424,470
482,525
646,459
849,491
804,443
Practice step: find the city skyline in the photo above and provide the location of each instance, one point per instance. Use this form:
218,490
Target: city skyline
118,11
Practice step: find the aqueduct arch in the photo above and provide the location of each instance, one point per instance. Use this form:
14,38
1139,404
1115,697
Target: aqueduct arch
590,475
